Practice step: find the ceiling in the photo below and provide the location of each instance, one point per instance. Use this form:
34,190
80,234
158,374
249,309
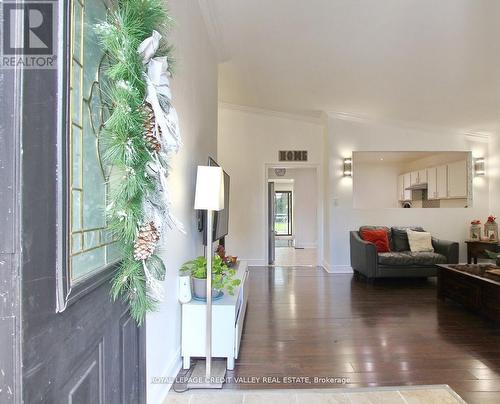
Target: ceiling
433,62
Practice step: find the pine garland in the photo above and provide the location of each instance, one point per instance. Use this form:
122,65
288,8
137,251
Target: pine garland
138,210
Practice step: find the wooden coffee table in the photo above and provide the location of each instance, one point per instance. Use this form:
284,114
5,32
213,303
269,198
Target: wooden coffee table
476,249
471,286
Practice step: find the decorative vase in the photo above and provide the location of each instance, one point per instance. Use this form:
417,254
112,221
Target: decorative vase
491,231
475,232
200,289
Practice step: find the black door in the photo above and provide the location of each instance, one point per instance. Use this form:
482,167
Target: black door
77,346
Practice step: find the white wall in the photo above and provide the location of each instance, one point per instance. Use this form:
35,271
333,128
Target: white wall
346,136
493,173
375,185
248,140
194,90
305,205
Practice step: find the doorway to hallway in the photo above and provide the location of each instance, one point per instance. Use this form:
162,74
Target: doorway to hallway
293,216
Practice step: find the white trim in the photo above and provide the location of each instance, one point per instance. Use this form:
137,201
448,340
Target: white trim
314,118
345,116
170,373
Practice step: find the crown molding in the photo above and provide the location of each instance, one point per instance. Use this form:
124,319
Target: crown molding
322,119
408,125
318,120
214,29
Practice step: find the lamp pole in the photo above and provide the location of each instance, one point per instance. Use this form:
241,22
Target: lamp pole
209,196
208,328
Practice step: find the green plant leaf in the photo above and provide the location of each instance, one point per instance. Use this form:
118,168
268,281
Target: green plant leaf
492,255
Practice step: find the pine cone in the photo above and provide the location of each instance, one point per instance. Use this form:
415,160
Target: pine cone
152,133
145,243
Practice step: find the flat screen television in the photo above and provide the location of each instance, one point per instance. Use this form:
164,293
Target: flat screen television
221,218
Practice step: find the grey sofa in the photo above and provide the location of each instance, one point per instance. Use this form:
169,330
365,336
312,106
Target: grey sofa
400,262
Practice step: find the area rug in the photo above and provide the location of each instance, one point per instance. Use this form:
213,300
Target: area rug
435,394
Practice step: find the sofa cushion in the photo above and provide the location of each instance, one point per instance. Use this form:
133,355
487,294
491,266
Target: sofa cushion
420,241
408,258
387,229
377,237
400,237
427,258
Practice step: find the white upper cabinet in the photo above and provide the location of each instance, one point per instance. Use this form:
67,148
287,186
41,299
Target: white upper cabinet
407,183
432,183
401,188
437,182
448,181
441,182
422,176
414,178
418,177
457,179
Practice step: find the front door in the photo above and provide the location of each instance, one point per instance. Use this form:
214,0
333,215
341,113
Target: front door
77,345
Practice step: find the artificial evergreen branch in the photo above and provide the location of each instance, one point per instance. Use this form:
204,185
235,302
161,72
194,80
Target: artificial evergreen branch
139,210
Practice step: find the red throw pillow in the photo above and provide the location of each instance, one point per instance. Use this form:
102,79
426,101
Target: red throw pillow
377,237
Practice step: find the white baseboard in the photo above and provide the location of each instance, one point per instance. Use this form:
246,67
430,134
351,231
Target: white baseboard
170,373
337,269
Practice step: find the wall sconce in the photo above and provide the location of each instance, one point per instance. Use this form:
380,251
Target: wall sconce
348,167
479,167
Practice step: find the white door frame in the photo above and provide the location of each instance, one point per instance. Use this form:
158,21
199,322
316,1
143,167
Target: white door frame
320,207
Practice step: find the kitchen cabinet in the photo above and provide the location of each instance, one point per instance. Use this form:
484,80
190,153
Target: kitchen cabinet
422,176
457,179
414,178
404,181
401,188
418,177
432,183
407,183
441,182
437,182
448,181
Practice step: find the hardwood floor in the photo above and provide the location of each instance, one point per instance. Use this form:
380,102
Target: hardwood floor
308,323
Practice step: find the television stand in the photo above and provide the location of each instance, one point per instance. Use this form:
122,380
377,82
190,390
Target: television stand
228,316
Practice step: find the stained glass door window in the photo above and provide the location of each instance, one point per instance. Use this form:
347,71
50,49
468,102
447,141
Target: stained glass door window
92,246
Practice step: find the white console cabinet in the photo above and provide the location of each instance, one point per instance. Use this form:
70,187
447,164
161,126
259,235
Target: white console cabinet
228,315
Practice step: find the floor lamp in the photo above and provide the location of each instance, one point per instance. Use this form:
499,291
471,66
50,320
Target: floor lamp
210,197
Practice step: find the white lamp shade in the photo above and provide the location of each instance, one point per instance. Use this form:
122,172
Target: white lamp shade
209,188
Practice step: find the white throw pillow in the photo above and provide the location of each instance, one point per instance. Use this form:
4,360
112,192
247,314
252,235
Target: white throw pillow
420,241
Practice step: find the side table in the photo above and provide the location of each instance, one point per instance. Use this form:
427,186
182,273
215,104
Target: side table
476,249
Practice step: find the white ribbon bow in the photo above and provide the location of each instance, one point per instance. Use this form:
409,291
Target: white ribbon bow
149,46
159,94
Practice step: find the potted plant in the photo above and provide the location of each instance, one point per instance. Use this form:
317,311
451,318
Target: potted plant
222,276
494,256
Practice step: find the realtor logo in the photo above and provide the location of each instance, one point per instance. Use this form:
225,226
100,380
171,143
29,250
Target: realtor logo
28,34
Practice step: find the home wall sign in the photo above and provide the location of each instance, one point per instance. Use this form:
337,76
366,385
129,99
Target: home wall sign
292,155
